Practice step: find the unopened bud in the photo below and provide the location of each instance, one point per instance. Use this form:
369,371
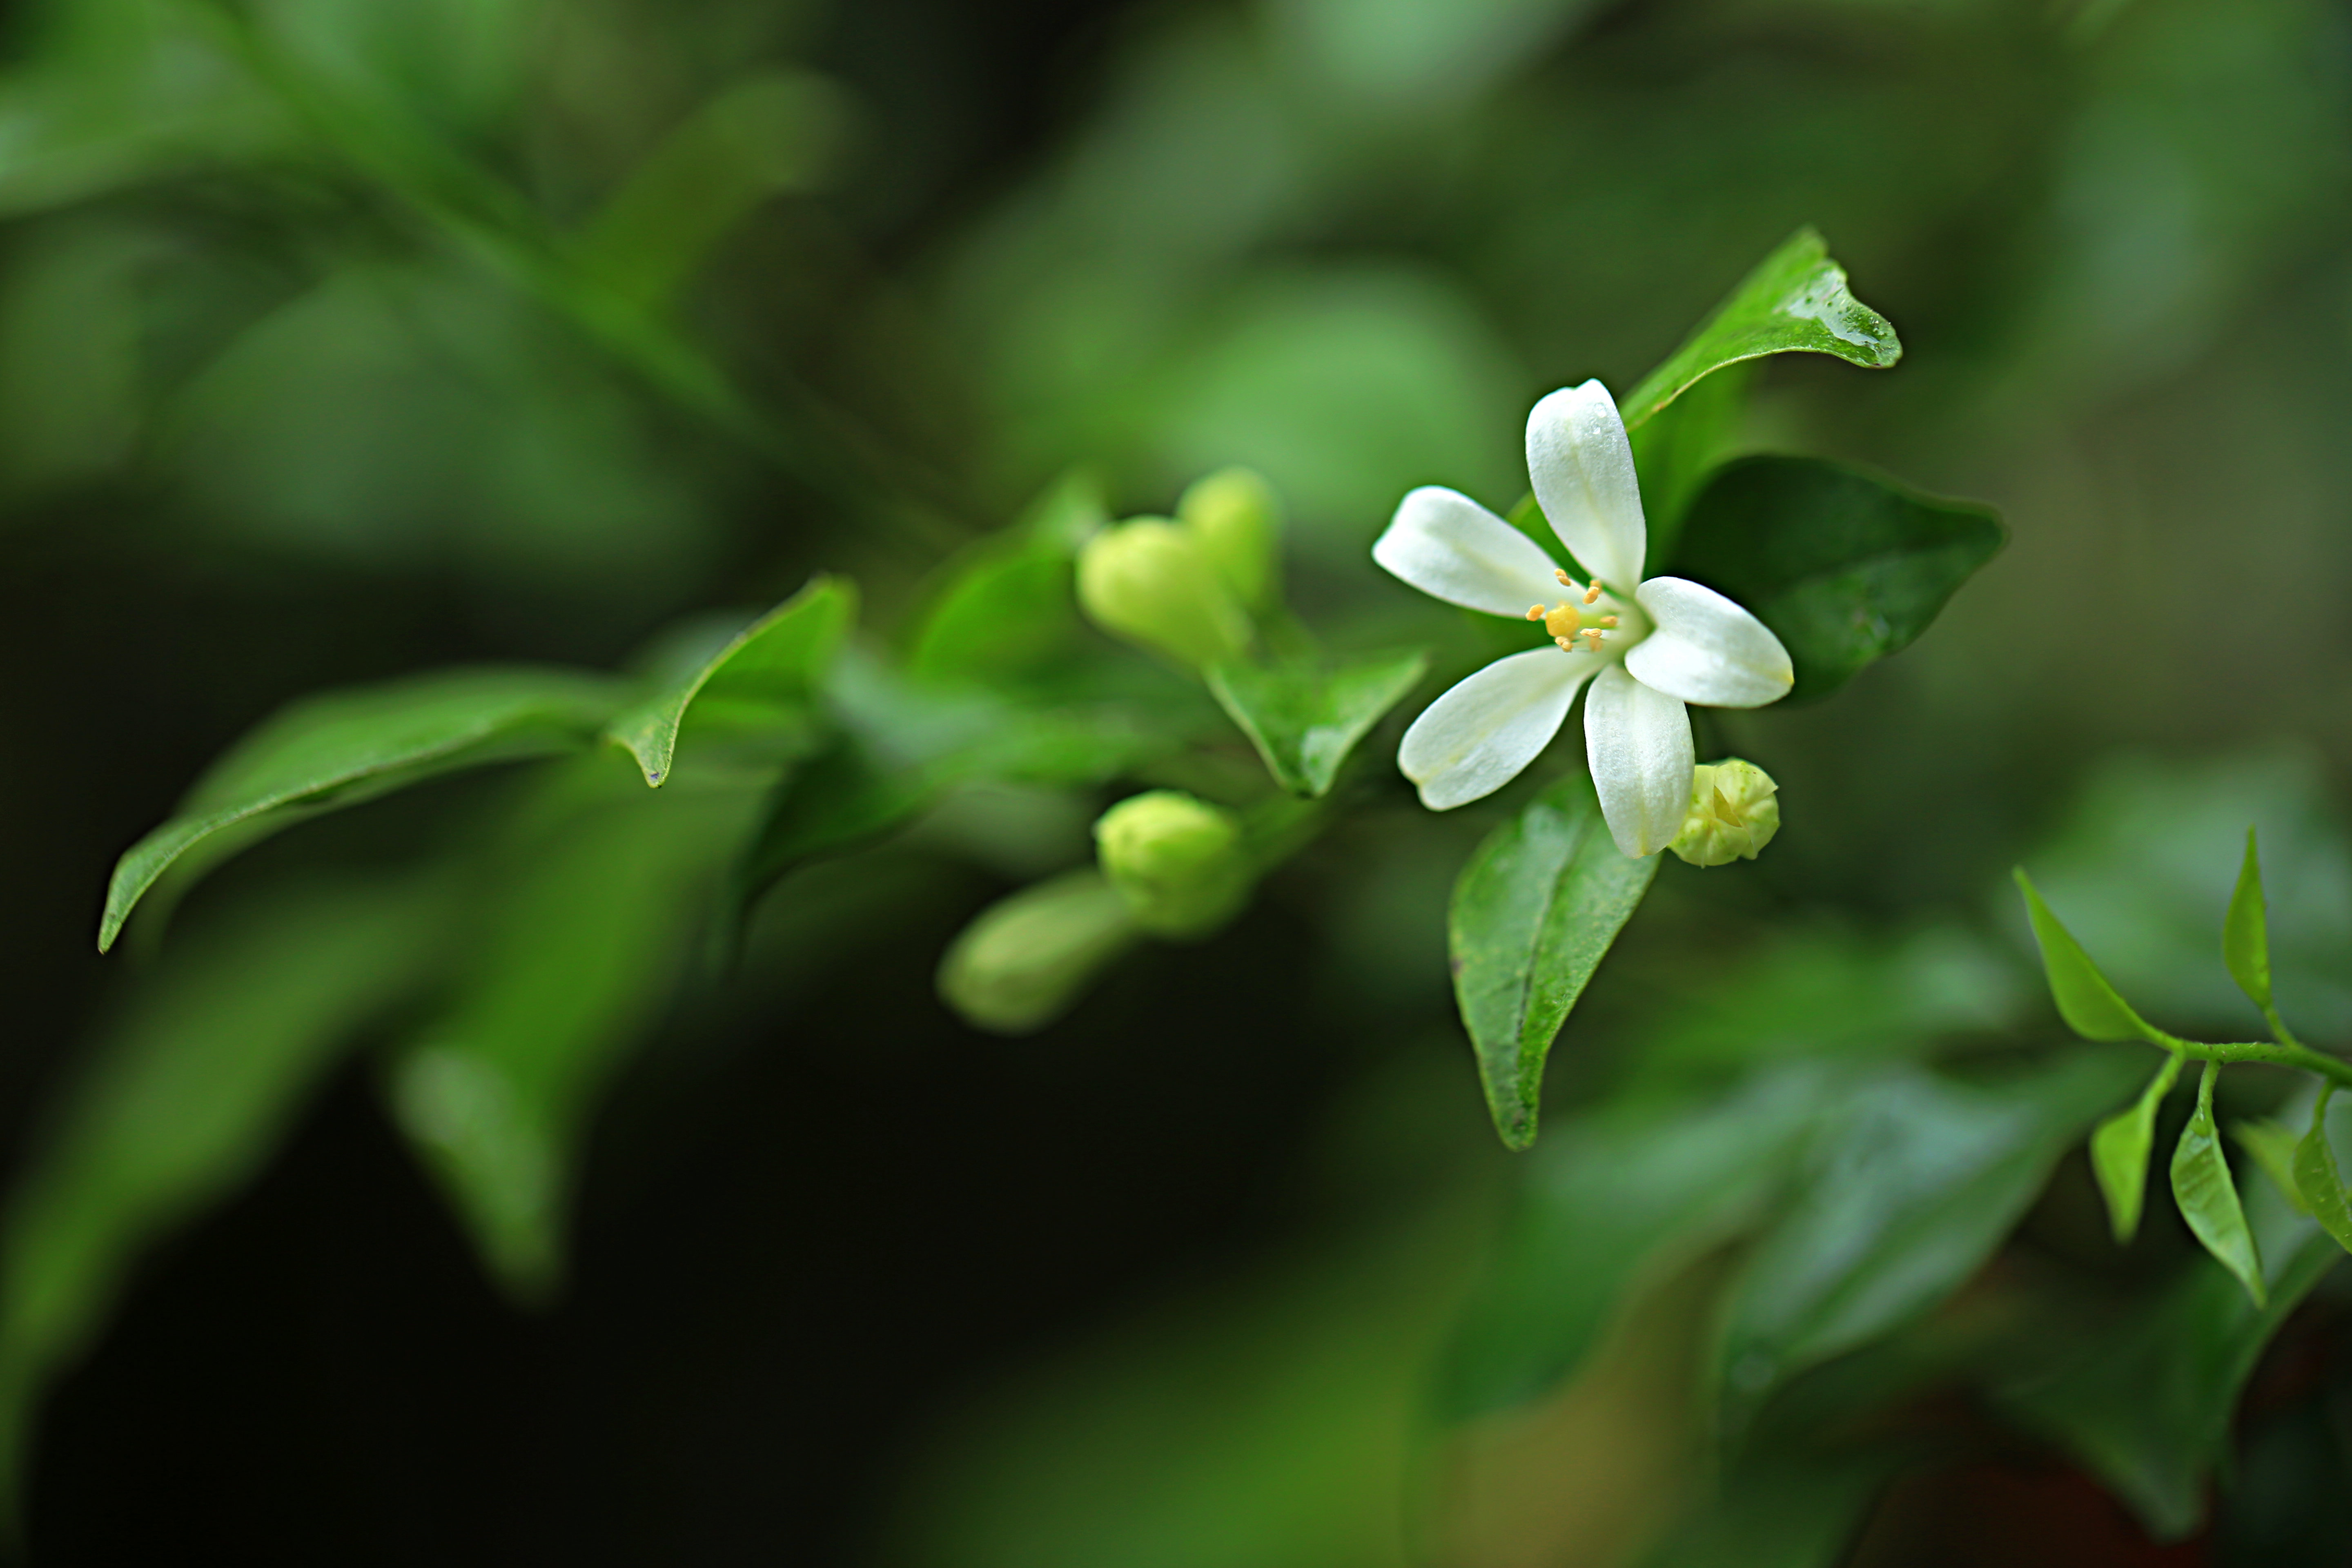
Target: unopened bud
1238,520
1152,582
1179,862
1025,960
1735,810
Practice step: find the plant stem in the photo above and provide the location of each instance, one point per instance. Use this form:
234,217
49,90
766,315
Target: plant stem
2333,1068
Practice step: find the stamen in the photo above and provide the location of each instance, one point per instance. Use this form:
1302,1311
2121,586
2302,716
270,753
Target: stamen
1565,645
1535,612
1594,638
1592,593
1606,621
1565,580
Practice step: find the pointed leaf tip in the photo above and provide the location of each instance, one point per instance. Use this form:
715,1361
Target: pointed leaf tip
2119,1152
2245,931
2085,1000
2208,1195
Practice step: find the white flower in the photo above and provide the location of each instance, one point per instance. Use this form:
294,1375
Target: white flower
1647,648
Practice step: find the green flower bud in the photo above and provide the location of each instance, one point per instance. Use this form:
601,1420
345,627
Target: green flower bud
1735,810
1238,520
1152,582
1024,961
1179,862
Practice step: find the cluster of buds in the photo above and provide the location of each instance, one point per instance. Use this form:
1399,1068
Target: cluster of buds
1188,587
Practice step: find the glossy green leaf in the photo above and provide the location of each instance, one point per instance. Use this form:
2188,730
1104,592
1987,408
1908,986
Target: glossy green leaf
1533,914
343,747
1615,1195
2316,1178
1845,567
2208,1196
1795,301
2271,1146
184,1099
1006,608
590,907
2146,1402
2245,931
2085,1000
2119,1150
1674,453
1914,1180
760,685
1303,720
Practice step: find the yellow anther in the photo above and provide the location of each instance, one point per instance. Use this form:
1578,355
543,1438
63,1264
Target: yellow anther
1565,580
1606,621
1592,594
1565,645
1535,612
1594,638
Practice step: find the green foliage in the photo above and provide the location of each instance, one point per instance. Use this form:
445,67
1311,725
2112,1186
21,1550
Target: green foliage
2119,1152
1795,299
1846,568
2316,1182
328,752
1909,1188
2085,1000
1003,608
1533,914
589,915
756,691
184,1099
2208,1196
2245,931
1621,1192
1305,718
2144,1399
1675,452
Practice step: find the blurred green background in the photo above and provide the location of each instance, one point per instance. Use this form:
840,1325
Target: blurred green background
344,338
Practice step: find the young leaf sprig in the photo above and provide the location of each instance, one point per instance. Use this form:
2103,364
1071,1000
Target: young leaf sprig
2202,1186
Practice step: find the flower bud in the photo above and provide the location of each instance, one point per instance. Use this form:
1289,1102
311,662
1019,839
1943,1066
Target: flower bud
1735,810
1179,862
1234,514
1024,961
1150,580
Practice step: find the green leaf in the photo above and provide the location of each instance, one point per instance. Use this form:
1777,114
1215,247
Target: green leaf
1795,301
2273,1147
184,1099
772,132
2316,1181
1674,453
1788,1511
1914,1180
2085,1000
1844,566
1006,607
589,910
760,685
2208,1198
2119,1150
1303,720
1616,1195
2245,931
1533,914
340,748
2146,1402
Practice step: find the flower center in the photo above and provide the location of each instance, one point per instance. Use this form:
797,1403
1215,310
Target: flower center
1565,621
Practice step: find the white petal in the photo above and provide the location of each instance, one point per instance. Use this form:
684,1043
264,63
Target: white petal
1581,466
1638,743
1451,548
1477,737
1708,649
